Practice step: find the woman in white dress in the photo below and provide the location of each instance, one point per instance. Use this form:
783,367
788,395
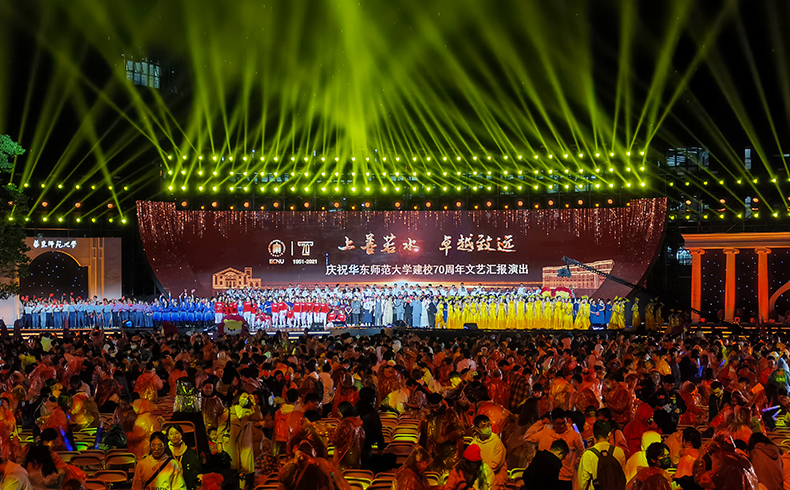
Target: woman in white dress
388,312
424,317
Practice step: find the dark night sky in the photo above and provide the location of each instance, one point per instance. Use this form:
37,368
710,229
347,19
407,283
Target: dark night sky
605,29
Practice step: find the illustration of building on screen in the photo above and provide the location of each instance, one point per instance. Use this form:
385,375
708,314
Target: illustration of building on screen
231,278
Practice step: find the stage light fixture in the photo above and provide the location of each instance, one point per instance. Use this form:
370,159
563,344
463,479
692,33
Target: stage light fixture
458,158
551,156
428,204
609,201
628,153
519,203
581,155
306,204
77,205
551,171
169,157
489,203
597,205
45,203
611,186
27,185
551,202
43,185
739,181
474,158
579,202
44,219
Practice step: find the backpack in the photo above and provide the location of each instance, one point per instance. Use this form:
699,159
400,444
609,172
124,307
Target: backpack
610,473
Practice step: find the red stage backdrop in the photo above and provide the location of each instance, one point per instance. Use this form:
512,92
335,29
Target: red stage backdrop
214,250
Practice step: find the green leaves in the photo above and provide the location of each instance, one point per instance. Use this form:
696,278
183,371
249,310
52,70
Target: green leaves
13,251
8,149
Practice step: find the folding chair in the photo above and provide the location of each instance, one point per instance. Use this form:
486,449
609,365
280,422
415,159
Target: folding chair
67,455
95,485
111,477
123,462
87,463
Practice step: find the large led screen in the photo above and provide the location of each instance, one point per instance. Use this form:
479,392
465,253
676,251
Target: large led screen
211,251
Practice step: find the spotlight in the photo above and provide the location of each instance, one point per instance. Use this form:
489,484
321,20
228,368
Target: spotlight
489,203
551,202
367,204
276,204
579,202
537,206
397,204
754,199
458,204
293,208
183,204
723,201
77,205
110,205
336,204
520,203
428,204
306,204
609,201
247,204
45,204
184,157
214,204
628,153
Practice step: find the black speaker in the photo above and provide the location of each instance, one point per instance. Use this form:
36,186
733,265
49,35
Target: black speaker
470,326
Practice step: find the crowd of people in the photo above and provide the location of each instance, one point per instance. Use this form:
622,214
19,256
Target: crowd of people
603,410
354,305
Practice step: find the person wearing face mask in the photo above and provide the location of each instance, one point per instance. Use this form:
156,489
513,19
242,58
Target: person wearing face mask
185,455
654,476
492,450
158,470
560,429
242,416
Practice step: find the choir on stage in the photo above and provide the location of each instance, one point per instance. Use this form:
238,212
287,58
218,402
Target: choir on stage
418,306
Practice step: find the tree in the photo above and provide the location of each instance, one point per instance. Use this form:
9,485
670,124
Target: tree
13,204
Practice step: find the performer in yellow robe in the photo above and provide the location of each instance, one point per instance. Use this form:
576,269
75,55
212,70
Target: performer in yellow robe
492,318
440,315
659,318
582,321
512,317
650,319
568,314
521,319
556,315
636,320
